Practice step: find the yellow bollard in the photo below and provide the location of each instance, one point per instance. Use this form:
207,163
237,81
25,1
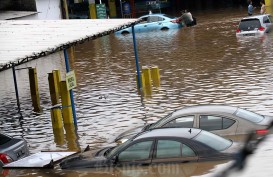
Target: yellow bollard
92,11
147,92
66,103
71,137
155,76
56,118
53,88
59,136
34,89
56,114
58,80
142,80
147,76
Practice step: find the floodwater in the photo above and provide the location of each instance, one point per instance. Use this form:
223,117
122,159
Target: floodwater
205,64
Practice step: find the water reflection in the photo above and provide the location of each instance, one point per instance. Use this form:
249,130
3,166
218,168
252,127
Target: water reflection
163,170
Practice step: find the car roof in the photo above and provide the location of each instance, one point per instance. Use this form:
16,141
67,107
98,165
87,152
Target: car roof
156,14
256,16
205,108
170,132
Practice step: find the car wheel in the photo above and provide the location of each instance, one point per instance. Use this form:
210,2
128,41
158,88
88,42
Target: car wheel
164,28
124,32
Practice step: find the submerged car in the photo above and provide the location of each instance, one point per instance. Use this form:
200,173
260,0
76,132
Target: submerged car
166,145
12,149
223,120
256,25
154,22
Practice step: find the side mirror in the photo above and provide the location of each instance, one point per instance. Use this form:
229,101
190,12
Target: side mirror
114,159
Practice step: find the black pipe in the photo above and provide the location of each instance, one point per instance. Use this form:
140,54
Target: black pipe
16,88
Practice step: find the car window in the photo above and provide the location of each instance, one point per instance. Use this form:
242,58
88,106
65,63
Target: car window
248,115
249,24
210,123
161,121
185,122
266,20
137,151
4,139
214,141
173,149
155,19
187,151
168,148
144,20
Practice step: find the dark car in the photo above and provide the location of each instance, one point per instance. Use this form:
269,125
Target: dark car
222,120
12,149
166,145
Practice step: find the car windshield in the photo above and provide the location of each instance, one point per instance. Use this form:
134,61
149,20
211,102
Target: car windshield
248,115
117,148
160,121
214,141
4,139
249,24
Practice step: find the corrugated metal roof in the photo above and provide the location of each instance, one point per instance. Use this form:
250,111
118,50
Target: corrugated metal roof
24,40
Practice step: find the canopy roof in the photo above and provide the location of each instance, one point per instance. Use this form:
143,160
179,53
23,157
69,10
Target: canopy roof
25,40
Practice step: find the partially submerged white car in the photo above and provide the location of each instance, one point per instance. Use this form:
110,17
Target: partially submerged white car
256,25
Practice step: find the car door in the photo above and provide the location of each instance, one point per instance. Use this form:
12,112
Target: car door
222,125
138,153
142,25
154,23
173,151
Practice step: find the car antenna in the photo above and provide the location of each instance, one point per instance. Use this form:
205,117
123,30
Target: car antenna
190,130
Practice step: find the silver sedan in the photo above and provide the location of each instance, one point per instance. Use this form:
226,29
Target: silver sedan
12,149
232,122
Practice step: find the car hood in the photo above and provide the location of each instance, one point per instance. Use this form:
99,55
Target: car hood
88,159
129,133
82,162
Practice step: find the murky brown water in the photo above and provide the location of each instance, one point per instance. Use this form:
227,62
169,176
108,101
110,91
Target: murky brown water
205,64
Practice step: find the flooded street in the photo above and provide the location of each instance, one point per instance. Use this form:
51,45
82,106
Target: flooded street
204,64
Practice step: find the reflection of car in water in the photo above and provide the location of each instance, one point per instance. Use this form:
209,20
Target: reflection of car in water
167,145
12,149
219,119
254,25
154,22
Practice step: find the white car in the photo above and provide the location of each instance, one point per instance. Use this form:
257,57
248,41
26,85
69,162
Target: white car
256,25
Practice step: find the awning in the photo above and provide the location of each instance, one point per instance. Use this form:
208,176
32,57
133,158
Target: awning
25,40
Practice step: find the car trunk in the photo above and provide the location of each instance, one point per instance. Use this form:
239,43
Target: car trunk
249,24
